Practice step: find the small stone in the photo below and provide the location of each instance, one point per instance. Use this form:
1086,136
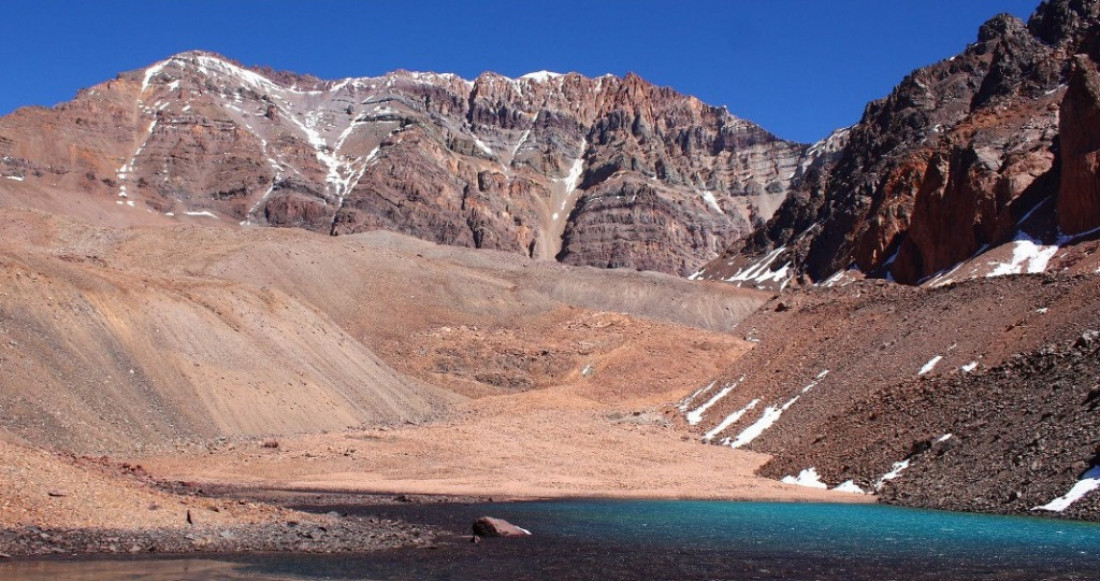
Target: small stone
57,493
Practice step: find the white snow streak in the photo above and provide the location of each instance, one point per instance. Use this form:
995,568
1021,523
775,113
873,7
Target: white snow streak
760,272
14,178
969,367
482,146
1089,482
522,140
771,415
930,365
204,214
894,472
708,197
730,420
574,178
150,73
687,401
695,416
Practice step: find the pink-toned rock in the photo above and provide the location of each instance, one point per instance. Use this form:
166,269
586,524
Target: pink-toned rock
601,171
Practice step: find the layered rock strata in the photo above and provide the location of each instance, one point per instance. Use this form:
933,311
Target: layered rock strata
608,171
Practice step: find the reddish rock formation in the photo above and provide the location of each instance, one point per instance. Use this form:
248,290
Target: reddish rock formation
1079,194
604,171
949,164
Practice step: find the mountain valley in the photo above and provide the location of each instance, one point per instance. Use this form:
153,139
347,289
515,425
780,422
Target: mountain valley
549,286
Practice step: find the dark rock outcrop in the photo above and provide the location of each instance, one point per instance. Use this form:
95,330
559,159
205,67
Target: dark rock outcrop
962,397
1079,192
488,526
951,162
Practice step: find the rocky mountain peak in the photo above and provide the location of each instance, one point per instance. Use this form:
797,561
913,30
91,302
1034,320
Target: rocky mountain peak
964,156
602,171
1000,26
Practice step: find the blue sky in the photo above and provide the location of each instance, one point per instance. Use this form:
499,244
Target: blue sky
800,68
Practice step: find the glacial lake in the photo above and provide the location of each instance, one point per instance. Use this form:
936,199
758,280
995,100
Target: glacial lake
684,540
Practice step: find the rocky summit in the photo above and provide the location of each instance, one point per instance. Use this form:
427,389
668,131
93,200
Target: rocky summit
608,171
995,146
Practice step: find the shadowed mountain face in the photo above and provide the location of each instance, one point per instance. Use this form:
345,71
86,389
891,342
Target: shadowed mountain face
992,146
610,172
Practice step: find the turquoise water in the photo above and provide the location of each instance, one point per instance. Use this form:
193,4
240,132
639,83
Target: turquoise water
609,540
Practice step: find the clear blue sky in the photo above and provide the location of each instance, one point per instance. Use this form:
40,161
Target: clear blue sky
800,68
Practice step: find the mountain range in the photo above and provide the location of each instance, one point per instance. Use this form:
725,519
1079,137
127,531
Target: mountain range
610,172
200,255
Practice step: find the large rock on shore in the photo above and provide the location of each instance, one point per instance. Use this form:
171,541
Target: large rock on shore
488,526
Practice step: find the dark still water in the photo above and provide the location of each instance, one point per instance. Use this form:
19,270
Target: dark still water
610,540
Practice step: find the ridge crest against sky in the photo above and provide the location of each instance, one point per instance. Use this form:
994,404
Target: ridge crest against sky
798,68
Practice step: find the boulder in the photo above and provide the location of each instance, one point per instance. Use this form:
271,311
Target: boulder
488,526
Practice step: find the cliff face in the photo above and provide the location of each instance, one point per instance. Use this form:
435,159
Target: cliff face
606,171
1079,192
951,163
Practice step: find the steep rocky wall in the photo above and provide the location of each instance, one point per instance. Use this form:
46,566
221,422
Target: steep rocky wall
601,171
951,162
1079,191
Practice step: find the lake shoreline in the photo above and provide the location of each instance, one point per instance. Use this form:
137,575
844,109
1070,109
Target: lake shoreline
316,531
629,540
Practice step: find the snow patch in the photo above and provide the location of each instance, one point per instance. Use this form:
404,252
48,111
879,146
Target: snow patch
930,365
1029,255
849,486
1090,481
522,140
14,178
482,146
708,197
808,478
541,76
969,367
203,213
574,178
150,73
894,472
